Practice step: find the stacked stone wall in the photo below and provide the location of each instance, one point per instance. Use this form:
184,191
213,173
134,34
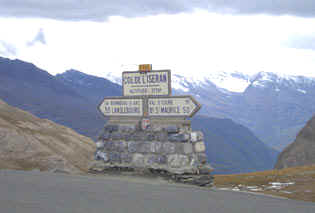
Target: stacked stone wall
173,148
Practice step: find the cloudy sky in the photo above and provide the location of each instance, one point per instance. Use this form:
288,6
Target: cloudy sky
193,37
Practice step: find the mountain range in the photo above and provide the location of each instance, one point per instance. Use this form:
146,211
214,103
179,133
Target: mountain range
71,99
274,106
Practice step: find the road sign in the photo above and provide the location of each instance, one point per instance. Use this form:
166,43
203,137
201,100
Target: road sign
145,67
157,83
121,106
182,106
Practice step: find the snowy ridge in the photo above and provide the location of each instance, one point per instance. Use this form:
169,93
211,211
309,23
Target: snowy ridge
235,82
276,81
113,77
231,82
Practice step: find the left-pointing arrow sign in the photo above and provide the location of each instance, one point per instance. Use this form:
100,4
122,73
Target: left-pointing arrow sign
121,106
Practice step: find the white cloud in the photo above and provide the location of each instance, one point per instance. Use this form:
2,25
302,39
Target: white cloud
188,43
40,37
99,10
7,49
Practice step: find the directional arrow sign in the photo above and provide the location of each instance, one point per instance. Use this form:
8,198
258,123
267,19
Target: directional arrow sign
121,106
182,106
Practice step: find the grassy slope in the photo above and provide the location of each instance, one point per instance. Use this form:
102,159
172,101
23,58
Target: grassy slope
303,177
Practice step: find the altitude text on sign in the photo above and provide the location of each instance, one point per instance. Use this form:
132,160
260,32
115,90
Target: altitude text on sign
146,83
122,107
173,106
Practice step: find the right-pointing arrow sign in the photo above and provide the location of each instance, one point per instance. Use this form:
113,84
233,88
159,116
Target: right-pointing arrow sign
181,106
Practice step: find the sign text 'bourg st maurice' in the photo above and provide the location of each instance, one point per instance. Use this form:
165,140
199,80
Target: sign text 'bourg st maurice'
148,94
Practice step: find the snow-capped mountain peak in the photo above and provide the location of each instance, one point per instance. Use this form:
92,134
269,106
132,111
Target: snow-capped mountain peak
235,82
267,79
227,82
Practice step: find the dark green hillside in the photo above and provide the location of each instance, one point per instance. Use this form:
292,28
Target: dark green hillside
233,148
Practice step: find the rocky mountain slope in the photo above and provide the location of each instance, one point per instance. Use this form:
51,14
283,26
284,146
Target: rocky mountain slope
27,142
302,151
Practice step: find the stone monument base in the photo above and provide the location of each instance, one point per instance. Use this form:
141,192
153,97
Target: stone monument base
163,147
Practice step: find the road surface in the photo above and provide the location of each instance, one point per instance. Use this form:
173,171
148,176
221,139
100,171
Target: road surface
40,192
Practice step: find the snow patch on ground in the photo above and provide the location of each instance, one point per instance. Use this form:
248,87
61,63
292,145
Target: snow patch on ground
271,186
301,91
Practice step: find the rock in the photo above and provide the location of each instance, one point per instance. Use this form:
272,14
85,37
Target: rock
172,129
101,156
138,160
99,144
117,136
111,128
177,161
105,136
194,161
200,147
187,148
161,136
127,128
109,146
97,166
178,137
126,158
145,147
161,159
150,137
168,147
114,157
120,146
132,146
156,147
149,160
196,136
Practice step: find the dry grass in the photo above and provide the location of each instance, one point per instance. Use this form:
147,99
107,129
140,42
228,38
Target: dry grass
302,189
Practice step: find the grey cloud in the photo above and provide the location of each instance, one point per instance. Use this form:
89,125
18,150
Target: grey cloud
7,49
98,10
302,42
40,37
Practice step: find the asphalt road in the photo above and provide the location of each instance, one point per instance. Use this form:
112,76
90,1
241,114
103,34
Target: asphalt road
32,192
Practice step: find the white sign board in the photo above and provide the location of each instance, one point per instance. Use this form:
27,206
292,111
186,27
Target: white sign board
157,83
120,106
184,106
